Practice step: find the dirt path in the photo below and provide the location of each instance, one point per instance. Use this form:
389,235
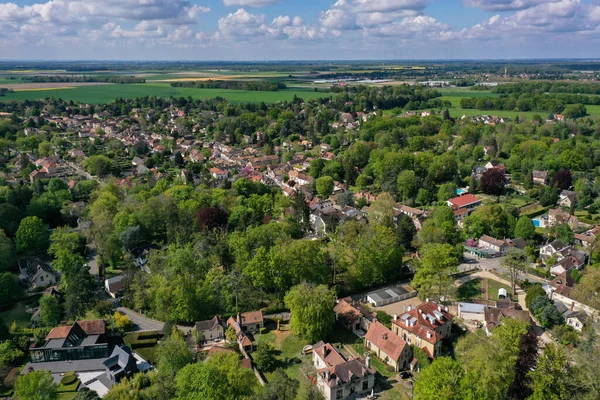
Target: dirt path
484,286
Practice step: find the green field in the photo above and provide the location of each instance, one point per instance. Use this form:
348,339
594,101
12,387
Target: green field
16,314
107,93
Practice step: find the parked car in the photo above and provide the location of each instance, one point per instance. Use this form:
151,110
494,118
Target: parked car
405,374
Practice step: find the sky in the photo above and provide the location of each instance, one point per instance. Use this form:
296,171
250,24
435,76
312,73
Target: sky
259,30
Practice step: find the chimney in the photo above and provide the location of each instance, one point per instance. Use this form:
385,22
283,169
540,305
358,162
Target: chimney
239,318
385,336
368,362
395,317
427,300
327,375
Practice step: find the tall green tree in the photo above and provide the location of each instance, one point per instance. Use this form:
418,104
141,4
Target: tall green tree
36,385
50,311
441,380
515,262
432,278
221,376
279,387
525,228
554,376
324,186
6,252
32,236
310,307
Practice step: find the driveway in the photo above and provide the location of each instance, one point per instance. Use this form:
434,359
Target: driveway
495,264
143,323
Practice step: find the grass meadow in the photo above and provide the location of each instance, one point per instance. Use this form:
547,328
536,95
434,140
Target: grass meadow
107,93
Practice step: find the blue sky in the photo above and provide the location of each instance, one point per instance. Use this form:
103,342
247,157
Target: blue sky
298,29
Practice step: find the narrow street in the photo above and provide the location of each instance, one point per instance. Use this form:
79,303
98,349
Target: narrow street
143,323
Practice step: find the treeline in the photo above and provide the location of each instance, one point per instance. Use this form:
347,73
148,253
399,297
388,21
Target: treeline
257,86
549,87
82,78
540,103
388,97
4,91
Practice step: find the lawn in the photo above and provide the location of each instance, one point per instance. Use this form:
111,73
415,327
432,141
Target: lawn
288,346
521,201
107,93
472,289
17,314
493,287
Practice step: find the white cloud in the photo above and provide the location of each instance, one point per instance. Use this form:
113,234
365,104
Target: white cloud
248,3
504,5
99,12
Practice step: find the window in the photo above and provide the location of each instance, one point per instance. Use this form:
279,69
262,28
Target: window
365,385
339,394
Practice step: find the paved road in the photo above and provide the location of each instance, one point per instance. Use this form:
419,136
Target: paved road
495,264
143,323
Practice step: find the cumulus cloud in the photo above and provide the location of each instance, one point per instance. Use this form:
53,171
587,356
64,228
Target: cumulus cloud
244,25
346,15
94,11
505,5
248,3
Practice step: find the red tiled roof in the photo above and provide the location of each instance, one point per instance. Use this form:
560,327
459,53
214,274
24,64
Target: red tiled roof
251,317
95,327
60,332
385,340
423,327
464,200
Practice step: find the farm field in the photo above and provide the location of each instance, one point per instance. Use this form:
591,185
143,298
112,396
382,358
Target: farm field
107,93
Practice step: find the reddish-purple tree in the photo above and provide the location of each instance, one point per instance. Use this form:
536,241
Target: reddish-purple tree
210,218
562,179
492,182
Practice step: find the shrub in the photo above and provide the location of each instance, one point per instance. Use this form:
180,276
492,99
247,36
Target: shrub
68,379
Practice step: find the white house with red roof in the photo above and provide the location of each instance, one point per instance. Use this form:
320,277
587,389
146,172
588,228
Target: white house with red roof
467,201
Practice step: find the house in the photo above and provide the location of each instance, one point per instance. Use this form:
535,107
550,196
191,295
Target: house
557,216
81,341
576,319
353,316
471,311
488,242
34,273
121,364
339,378
567,198
389,348
417,216
494,316
243,340
567,264
587,238
218,174
425,326
114,286
251,321
552,249
492,164
211,329
540,177
465,201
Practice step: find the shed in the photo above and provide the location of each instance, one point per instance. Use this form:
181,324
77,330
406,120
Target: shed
471,311
391,295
